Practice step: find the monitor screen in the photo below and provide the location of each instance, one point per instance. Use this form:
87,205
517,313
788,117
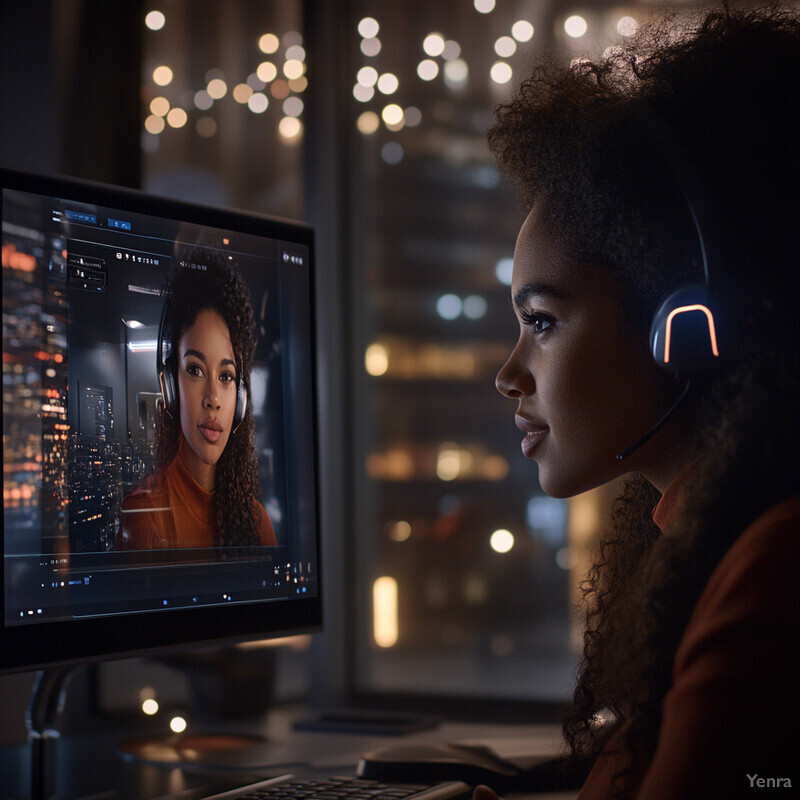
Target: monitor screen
159,425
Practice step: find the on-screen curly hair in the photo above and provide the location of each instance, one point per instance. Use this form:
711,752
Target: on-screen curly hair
211,283
724,90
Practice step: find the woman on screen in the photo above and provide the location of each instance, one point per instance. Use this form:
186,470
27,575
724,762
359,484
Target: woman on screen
204,490
671,163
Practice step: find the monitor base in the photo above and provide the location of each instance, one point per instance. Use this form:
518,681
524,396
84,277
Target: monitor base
201,749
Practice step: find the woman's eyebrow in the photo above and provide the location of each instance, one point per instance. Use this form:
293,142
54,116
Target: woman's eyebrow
189,352
538,289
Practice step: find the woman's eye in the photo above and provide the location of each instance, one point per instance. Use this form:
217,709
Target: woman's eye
539,322
195,369
227,377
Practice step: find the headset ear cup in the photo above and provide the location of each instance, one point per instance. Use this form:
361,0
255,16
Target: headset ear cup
683,335
169,395
241,404
166,378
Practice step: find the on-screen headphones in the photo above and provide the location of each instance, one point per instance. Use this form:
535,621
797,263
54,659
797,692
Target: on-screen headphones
168,381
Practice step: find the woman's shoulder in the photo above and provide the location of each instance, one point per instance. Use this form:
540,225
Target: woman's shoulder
756,579
768,547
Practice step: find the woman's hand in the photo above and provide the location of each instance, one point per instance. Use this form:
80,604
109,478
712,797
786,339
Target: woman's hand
484,793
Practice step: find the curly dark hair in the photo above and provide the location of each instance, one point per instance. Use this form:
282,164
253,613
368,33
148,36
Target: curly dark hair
723,90
211,283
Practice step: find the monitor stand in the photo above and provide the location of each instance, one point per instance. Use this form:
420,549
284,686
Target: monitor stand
42,717
224,682
41,720
212,750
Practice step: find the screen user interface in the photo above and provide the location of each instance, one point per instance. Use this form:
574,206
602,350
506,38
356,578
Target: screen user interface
84,293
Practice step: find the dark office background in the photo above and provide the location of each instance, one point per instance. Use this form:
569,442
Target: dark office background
451,578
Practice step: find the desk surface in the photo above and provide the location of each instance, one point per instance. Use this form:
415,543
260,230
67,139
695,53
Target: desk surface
93,765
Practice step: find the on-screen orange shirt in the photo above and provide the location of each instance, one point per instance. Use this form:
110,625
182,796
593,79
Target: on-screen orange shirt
176,513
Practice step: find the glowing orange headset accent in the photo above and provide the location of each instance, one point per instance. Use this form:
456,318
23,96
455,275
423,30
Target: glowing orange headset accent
681,310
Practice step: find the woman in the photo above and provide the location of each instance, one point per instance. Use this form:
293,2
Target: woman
688,683
204,489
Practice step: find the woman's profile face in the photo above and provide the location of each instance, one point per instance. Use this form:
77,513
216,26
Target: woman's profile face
207,389
586,388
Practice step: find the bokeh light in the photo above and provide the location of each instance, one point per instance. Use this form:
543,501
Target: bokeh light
388,83
242,93
392,153
412,116
452,49
503,270
367,76
154,124
177,117
522,30
268,43
368,122
427,69
162,76
368,28
178,725
627,26
258,102
203,100
217,88
159,106
449,306
293,107
290,128
376,360
371,47
392,114
575,26
294,68
501,72
155,20
501,541
363,93
505,47
433,44
475,307
267,71
456,72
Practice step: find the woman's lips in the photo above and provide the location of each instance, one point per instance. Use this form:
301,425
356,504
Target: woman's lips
211,430
534,433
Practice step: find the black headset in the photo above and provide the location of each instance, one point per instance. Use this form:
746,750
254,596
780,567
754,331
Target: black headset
168,382
684,329
683,333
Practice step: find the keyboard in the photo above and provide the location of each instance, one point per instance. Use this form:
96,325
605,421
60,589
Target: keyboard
290,788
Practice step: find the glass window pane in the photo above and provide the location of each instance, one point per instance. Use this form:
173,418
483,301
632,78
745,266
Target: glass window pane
224,88
467,572
467,562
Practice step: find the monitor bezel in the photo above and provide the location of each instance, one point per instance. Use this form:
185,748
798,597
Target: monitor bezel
49,644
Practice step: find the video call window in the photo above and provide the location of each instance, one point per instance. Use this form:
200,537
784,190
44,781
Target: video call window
99,477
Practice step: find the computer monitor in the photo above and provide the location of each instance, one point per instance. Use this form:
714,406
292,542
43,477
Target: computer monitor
123,532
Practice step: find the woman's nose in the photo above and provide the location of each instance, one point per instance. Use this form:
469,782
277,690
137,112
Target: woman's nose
515,379
211,399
